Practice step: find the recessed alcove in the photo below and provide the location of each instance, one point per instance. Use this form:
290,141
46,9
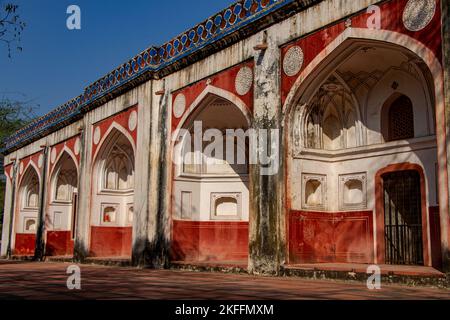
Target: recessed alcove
30,225
314,191
109,214
225,206
352,191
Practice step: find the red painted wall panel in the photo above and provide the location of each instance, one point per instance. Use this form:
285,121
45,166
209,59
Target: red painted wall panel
331,237
224,80
391,20
111,242
25,244
435,237
210,241
59,243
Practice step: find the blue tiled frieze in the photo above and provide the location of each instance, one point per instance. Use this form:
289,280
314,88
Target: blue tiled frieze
153,59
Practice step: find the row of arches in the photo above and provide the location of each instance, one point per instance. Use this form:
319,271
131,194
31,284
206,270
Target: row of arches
332,111
112,194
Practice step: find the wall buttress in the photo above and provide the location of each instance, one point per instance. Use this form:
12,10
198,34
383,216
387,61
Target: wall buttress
445,221
141,188
265,248
81,249
39,251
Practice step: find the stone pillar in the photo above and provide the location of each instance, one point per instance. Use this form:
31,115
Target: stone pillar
8,214
81,246
157,250
39,251
445,221
142,167
266,188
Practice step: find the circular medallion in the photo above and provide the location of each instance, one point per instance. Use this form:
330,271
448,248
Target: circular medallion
244,81
53,155
418,14
77,146
179,105
40,161
293,61
97,133
21,168
132,121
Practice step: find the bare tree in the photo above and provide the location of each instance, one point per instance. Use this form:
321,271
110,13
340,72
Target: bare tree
11,27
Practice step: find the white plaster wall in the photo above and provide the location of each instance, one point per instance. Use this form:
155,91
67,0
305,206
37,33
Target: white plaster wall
201,196
365,161
409,86
7,223
122,201
66,216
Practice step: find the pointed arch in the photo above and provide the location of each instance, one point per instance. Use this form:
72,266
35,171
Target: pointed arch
64,177
202,100
341,50
112,195
69,153
210,194
114,163
106,136
337,49
29,188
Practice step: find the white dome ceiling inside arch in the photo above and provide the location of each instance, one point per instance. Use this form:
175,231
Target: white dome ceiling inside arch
367,64
222,114
369,59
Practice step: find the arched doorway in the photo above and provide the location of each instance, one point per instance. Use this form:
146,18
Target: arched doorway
61,216
26,223
113,197
368,105
210,199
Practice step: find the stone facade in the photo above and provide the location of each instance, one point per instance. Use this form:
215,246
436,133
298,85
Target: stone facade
351,94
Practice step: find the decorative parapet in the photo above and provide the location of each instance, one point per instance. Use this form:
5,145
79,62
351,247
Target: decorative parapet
152,60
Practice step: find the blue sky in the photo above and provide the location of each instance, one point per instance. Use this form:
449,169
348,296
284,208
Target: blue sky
57,64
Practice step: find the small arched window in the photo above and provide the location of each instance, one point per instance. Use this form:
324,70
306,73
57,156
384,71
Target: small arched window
400,119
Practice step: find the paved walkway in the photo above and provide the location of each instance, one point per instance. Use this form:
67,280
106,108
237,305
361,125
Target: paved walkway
25,280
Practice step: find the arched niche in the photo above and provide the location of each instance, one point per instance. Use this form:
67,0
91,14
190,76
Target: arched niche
63,194
114,176
397,118
330,120
113,196
371,72
29,199
220,151
376,73
64,179
210,193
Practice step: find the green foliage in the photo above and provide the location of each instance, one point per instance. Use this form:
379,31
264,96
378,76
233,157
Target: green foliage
2,201
13,116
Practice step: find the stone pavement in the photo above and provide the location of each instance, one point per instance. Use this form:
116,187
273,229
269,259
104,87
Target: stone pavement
26,280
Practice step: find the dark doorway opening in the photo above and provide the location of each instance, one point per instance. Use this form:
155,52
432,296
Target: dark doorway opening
403,218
